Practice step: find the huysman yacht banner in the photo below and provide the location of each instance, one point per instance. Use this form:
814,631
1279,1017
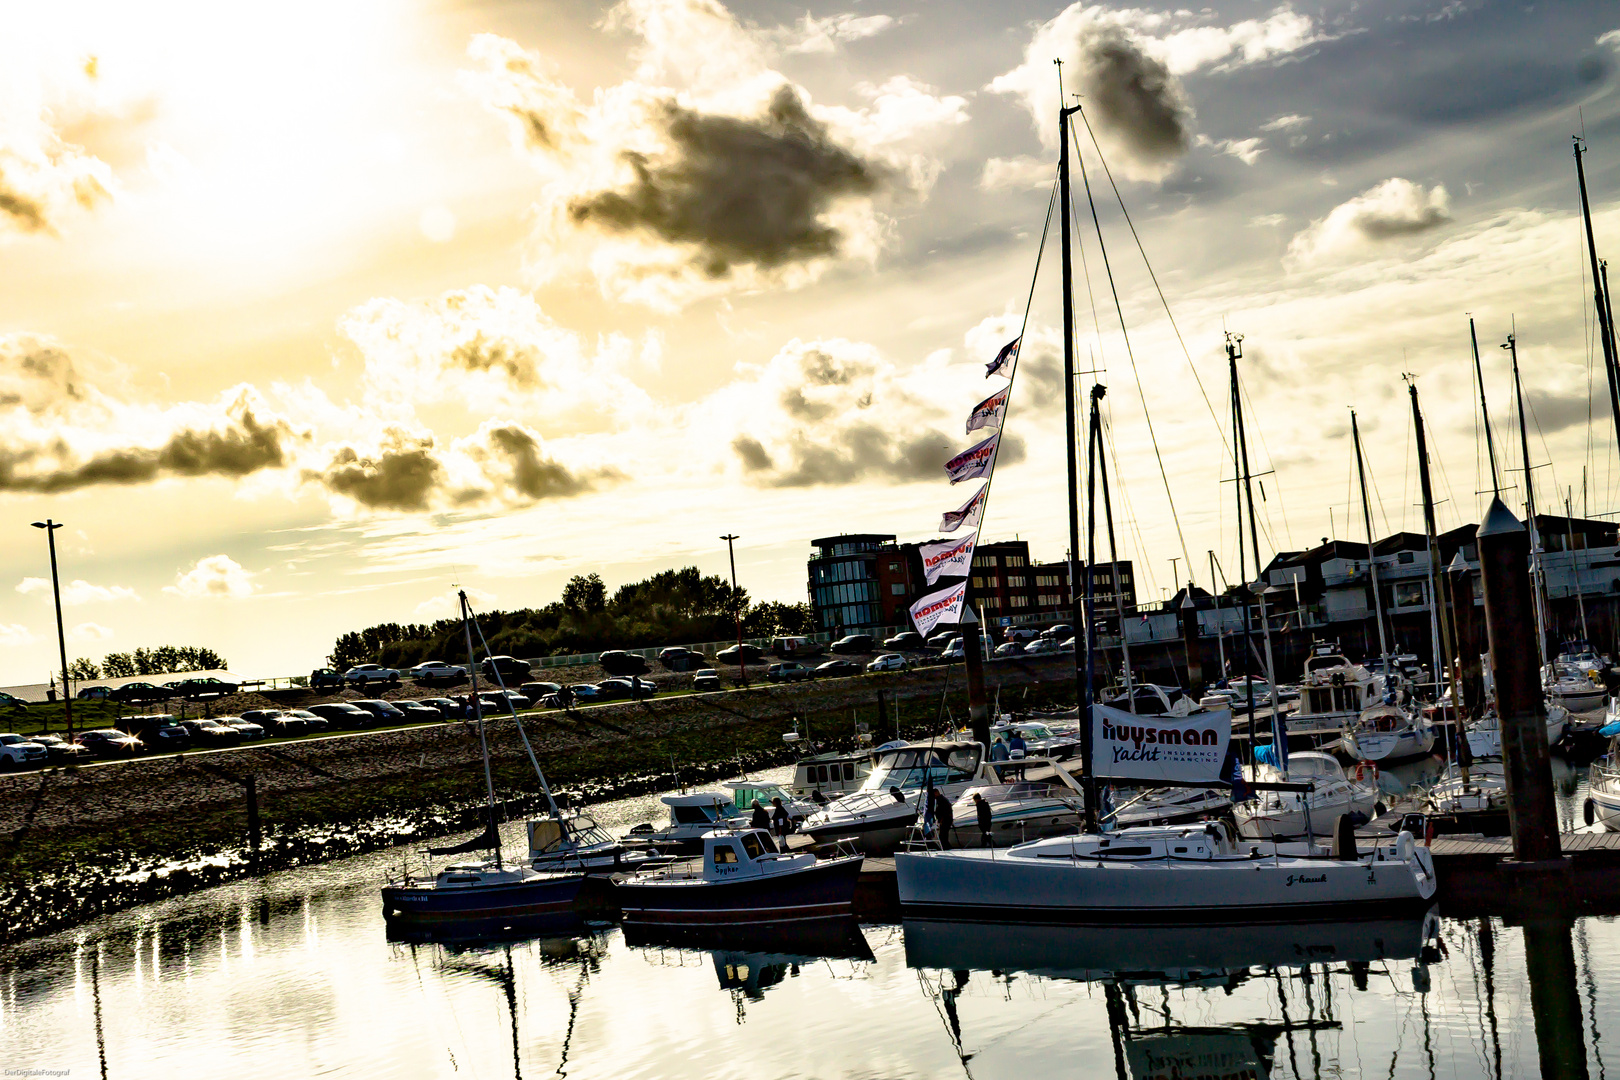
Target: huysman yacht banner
973,462
988,413
948,558
937,607
1135,746
968,515
1204,1053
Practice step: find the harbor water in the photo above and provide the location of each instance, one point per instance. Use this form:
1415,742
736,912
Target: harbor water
294,975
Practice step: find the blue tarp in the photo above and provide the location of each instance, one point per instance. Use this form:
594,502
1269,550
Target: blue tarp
1610,729
1265,754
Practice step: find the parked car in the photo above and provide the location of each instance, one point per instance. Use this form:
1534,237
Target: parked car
837,669
1067,646
889,662
448,708
313,722
632,687
326,679
954,649
706,679
211,734
510,670
60,750
8,701
363,675
1059,632
1008,648
619,662
1041,646
437,671
270,721
384,711
789,671
1019,634
906,639
94,693
249,730
795,647
141,693
587,693
940,639
745,652
110,743
17,752
501,702
536,692
854,644
203,688
341,714
679,658
161,732
418,713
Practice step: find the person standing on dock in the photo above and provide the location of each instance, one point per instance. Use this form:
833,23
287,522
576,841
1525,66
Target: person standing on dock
982,810
759,819
942,816
998,750
781,819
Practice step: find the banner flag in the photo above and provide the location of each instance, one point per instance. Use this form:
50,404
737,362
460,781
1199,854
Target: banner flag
948,558
937,607
988,413
1190,749
973,462
1005,359
968,515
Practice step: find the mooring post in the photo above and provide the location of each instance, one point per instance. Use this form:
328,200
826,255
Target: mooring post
1465,619
1189,640
973,655
1555,1000
1504,562
252,785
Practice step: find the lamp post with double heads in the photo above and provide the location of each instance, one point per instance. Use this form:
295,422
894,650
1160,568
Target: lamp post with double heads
50,528
736,608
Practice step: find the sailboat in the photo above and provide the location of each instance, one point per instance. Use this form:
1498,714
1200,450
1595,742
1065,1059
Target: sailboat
1198,874
486,891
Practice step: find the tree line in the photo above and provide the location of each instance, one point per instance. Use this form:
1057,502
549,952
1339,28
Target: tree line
163,660
671,607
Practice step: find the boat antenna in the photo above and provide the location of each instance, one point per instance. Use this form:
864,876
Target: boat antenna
1611,362
1366,514
478,717
1439,613
1485,412
1512,346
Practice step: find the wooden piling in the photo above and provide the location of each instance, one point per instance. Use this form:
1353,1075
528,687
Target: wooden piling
973,655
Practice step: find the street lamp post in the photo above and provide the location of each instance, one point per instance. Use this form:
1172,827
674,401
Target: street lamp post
736,609
50,528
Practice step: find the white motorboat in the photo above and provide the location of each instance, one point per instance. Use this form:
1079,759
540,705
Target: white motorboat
1029,799
1288,814
1574,689
1582,657
878,816
577,842
1484,792
1603,781
1384,734
830,775
1039,739
1333,692
1485,734
691,816
1164,875
745,792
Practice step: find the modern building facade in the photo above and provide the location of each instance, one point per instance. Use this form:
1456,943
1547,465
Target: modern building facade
853,581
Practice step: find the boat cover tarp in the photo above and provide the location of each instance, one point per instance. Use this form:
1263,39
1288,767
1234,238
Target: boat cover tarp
1608,730
1176,749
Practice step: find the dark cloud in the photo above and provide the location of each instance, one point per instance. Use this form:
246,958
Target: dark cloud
740,191
1134,96
402,476
519,361
754,456
534,476
1553,412
861,452
37,374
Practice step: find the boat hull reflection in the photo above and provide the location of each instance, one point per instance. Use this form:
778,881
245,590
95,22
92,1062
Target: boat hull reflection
798,942
1172,953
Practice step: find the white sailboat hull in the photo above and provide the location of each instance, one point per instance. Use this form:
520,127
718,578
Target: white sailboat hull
1383,747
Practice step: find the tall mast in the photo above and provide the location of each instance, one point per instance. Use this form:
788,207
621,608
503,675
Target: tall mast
1372,561
1575,564
1439,620
1512,346
1215,593
1079,584
1097,393
1234,353
1234,349
478,715
1484,412
1611,364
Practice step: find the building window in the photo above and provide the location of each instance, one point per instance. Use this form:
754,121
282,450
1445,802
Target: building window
894,568
1019,601
1406,557
1015,560
977,583
1047,581
897,589
1018,581
984,560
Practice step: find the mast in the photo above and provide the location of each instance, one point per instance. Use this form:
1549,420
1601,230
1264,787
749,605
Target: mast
1611,364
1439,620
478,715
1372,562
1097,393
1484,412
1512,346
1093,437
1575,565
1215,594
1079,597
1234,349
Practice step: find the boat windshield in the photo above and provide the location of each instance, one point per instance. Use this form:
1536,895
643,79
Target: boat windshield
999,793
745,795
1308,766
913,767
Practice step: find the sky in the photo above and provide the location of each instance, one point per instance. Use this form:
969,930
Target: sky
310,315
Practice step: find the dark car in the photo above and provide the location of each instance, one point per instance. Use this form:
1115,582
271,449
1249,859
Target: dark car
705,680
630,687
312,722
60,751
835,669
941,639
418,713
8,701
161,732
249,730
449,708
906,639
511,671
271,721
201,689
537,692
1009,648
619,662
211,734
326,679
110,743
141,693
94,693
788,671
384,711
854,644
681,659
341,714
588,692
1059,632
753,654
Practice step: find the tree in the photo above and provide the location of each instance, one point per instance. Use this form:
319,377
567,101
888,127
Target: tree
585,593
162,660
118,665
82,669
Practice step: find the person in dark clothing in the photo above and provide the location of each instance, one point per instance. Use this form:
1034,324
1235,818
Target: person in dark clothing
982,809
759,819
781,819
942,816
896,793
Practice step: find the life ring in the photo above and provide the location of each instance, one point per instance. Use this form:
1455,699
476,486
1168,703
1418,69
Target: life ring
1589,812
1362,768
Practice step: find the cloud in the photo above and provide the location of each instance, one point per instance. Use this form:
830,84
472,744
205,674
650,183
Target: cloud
709,171
447,606
14,634
215,576
1390,210
1251,41
78,591
1020,172
1286,123
1552,411
44,179
1268,221
89,631
37,374
1610,38
1247,151
825,35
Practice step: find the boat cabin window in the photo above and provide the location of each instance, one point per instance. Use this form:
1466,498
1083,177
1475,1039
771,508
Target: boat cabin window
751,844
1302,765
691,815
849,770
724,854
